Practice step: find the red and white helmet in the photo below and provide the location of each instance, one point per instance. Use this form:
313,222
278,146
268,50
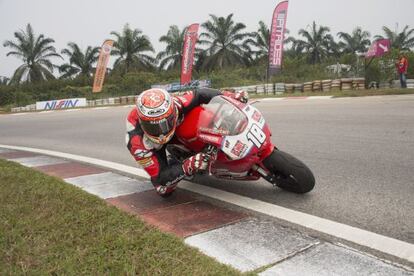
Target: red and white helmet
157,115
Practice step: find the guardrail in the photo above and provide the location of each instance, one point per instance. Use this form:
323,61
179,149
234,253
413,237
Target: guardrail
269,88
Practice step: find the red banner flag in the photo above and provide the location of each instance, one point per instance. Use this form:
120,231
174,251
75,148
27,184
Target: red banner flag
190,39
277,34
379,48
101,66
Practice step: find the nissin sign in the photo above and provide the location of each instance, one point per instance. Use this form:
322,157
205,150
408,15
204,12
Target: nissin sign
61,104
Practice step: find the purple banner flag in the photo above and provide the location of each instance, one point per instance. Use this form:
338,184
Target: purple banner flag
379,48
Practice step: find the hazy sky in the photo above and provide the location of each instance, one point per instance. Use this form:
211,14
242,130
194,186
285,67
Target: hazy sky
89,22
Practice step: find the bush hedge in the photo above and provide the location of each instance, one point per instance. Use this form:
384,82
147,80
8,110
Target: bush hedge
295,70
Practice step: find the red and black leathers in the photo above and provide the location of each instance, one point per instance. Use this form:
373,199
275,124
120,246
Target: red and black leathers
151,156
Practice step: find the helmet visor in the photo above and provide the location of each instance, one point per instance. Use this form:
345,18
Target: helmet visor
159,128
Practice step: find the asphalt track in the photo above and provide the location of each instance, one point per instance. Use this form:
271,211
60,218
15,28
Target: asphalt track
360,150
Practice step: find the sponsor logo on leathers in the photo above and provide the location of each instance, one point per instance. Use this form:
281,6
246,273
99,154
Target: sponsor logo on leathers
141,153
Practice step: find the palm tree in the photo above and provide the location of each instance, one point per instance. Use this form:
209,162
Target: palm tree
130,46
333,49
316,42
401,41
260,41
171,56
4,80
357,41
35,51
294,51
200,59
79,63
225,43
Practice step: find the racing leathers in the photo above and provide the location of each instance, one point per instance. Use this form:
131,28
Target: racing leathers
153,157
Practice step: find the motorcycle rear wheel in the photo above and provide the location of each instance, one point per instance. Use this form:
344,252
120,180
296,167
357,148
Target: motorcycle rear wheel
290,174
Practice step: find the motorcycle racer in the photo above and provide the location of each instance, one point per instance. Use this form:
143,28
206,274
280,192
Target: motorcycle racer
151,126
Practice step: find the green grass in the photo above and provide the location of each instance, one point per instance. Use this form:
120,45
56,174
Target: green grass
50,227
338,94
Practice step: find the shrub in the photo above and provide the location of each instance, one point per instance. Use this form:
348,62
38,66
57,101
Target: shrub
295,70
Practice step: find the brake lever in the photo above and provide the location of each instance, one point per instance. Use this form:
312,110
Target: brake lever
212,151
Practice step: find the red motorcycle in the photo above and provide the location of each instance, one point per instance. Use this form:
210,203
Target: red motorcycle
238,139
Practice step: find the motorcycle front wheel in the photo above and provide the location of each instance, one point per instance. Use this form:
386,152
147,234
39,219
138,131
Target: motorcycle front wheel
289,173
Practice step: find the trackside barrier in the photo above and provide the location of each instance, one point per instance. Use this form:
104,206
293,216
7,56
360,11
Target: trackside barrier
269,88
312,86
397,84
131,99
410,83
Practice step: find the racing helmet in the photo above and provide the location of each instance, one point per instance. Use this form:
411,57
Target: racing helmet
157,115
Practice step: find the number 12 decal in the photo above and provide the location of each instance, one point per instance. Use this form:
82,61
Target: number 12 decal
256,136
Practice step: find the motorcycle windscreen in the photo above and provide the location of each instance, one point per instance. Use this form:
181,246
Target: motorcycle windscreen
224,118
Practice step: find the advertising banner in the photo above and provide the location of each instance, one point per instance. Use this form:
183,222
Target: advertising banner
379,48
190,40
101,66
61,104
277,33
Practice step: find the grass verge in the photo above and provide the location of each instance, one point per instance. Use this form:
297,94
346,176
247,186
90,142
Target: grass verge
50,227
339,94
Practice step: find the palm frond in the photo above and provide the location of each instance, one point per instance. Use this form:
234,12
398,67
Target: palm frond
35,52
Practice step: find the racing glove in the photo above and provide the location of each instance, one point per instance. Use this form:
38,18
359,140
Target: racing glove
241,96
196,163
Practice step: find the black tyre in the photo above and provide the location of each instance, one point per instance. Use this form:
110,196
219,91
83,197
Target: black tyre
290,173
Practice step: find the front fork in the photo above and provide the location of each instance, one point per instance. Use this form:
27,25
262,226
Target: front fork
213,151
270,177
